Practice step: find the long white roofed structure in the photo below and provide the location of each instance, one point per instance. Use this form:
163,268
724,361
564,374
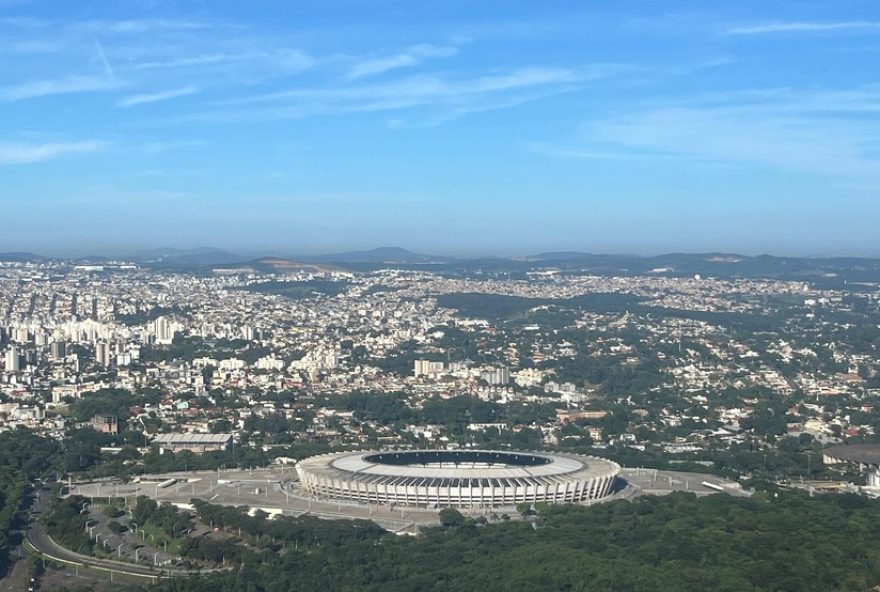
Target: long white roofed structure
460,478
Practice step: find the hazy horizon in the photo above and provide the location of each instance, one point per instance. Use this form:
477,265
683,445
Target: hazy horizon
452,252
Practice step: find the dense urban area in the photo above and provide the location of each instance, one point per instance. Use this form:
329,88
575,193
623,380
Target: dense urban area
752,372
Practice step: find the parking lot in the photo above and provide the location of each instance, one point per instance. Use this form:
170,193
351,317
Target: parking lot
273,490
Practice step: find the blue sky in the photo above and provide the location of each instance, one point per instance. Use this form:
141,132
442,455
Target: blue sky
461,127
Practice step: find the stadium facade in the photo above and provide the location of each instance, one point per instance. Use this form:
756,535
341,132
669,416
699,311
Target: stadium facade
457,478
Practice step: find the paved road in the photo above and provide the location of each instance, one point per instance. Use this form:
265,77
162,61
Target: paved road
40,540
661,482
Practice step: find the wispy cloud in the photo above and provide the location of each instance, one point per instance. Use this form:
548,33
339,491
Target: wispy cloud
102,57
823,133
806,27
22,153
596,153
141,99
411,57
41,88
153,148
287,59
24,22
444,97
419,90
137,25
33,46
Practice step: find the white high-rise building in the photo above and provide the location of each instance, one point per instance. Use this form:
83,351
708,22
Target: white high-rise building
58,350
102,354
427,368
12,363
496,376
164,330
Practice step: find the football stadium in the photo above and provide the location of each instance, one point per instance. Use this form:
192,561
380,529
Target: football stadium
457,478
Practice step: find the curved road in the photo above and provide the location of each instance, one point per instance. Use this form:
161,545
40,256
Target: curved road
40,540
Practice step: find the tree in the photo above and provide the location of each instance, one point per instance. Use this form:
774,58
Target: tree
450,518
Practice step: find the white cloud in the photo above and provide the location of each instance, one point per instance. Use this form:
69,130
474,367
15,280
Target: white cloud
595,153
20,153
288,59
41,88
129,26
159,147
806,27
24,22
199,60
419,90
411,57
446,97
824,133
33,46
141,99
102,57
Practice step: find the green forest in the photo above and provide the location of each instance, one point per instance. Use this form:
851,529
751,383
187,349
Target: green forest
776,540
23,457
780,542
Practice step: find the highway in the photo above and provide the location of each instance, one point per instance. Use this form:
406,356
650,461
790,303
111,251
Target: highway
40,541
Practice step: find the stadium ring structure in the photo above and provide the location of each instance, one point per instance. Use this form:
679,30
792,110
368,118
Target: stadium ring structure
457,478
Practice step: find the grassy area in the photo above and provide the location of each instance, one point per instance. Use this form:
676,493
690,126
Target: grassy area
155,536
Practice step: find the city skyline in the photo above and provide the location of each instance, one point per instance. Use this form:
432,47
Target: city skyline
460,129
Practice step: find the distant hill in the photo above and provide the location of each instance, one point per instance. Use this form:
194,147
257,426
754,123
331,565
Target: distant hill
22,257
380,255
559,256
277,265
829,272
201,256
93,259
718,265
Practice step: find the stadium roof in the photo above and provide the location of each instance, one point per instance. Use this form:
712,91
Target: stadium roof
192,438
468,468
866,454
